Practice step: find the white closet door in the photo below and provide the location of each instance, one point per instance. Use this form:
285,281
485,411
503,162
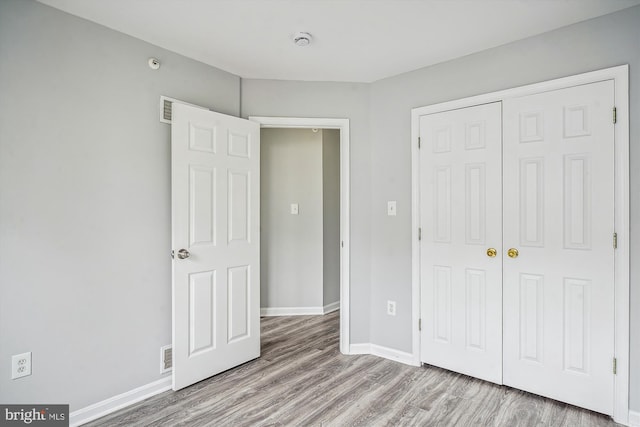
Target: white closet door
558,215
461,205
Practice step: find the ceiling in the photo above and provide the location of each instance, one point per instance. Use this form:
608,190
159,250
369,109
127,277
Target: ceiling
353,40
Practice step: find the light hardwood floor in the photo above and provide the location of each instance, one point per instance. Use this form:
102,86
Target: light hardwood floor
303,380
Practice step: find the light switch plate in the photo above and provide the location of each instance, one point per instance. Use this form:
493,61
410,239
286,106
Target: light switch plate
294,209
391,208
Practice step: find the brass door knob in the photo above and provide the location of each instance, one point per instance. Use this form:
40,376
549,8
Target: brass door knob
513,253
492,252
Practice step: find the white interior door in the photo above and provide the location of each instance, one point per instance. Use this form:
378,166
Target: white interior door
460,217
558,215
215,233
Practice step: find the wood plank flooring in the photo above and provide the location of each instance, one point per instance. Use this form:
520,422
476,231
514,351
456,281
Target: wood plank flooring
303,380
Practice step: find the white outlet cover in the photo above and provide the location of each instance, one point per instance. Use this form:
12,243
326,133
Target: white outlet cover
391,308
294,209
20,365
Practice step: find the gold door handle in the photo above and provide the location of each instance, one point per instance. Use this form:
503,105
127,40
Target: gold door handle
491,252
513,253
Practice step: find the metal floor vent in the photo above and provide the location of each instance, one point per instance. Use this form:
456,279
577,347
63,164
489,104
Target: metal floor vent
166,359
166,105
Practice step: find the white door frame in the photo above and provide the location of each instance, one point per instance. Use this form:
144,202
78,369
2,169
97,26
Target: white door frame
620,76
345,218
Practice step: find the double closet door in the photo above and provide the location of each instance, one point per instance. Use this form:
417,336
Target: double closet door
516,256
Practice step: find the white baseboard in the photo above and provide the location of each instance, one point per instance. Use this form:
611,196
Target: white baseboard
392,354
334,306
362,348
299,311
290,311
634,419
386,352
100,409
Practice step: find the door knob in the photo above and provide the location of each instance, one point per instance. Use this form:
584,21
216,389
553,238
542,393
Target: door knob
492,252
183,253
513,253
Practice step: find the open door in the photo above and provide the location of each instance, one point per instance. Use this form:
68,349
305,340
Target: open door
215,202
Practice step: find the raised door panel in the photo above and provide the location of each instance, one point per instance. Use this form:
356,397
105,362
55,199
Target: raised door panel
476,308
202,136
577,325
577,201
240,297
442,303
202,312
531,319
239,144
239,217
475,203
202,197
531,195
442,204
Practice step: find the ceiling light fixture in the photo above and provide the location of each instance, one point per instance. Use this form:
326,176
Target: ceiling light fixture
302,39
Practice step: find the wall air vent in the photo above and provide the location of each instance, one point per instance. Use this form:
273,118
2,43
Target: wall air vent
166,107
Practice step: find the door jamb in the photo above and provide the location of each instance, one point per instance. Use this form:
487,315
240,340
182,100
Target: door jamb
345,218
620,76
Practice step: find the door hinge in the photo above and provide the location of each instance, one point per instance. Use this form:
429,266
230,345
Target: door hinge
615,240
615,115
342,244
418,143
615,366
419,233
419,324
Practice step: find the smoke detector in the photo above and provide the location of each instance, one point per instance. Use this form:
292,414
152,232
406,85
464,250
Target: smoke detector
302,39
154,63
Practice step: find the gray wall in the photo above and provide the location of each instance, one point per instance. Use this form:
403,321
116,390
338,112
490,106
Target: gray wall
331,215
291,264
599,43
85,272
339,100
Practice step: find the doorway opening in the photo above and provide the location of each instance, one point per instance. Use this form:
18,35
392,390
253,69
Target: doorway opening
305,217
299,221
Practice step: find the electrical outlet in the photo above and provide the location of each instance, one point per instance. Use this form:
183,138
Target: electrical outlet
391,308
20,365
294,209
